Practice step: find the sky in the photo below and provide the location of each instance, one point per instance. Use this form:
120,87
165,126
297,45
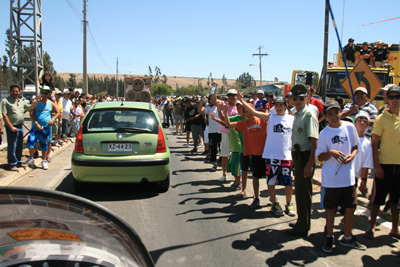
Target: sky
195,38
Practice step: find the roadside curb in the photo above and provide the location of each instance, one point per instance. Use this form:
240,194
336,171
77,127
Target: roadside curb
9,176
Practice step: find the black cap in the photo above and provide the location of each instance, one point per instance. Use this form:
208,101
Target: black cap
330,105
299,90
394,89
365,43
351,40
279,99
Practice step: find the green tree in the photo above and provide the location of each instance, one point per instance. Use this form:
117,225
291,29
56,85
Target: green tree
244,80
164,79
161,89
71,83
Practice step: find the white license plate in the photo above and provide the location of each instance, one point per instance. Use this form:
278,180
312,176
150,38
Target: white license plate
119,147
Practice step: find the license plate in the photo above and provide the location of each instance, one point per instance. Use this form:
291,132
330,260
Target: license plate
119,147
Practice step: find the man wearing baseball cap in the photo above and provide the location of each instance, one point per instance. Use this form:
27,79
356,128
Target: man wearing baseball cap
349,51
381,55
262,101
42,121
362,103
224,145
304,142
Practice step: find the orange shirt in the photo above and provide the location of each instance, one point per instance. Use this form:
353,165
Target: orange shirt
254,135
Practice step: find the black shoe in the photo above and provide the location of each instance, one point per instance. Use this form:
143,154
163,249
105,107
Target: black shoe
293,232
328,247
293,225
36,155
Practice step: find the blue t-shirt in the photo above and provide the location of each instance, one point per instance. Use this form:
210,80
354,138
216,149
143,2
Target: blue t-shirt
43,113
261,103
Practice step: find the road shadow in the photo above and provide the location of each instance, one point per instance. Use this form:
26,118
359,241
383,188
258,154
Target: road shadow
110,192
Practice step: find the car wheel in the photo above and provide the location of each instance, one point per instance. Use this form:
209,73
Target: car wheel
163,186
79,186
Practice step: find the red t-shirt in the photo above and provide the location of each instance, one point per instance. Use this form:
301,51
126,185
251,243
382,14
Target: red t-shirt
254,135
318,104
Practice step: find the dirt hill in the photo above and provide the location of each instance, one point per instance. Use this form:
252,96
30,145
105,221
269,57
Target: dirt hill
172,80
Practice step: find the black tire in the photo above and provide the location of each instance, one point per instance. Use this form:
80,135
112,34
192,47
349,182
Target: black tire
163,186
79,186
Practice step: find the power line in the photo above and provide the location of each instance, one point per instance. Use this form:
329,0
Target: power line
73,8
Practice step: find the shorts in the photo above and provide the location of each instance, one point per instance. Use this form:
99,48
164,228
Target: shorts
188,127
43,137
258,164
56,128
343,196
178,118
197,130
278,172
206,139
389,185
224,146
245,161
234,164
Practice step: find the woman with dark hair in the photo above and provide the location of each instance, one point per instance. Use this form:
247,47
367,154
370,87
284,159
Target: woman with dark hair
47,79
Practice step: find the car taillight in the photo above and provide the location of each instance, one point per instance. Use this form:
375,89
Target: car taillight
161,147
79,142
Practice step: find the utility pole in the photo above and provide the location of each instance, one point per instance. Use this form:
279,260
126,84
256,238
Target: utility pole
325,59
117,79
259,56
85,79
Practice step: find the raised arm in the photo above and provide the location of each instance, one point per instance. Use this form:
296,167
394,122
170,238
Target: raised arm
251,110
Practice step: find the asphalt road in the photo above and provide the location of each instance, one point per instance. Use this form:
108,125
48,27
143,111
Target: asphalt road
199,222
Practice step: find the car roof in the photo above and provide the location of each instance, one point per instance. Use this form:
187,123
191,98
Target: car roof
125,104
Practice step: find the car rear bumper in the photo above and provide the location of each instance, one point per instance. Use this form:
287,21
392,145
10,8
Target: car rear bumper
122,171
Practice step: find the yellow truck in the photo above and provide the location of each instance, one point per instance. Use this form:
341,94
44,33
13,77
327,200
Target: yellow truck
336,76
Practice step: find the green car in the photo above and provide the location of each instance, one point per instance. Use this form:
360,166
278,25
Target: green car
121,142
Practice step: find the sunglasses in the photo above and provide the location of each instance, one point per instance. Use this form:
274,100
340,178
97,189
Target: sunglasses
301,98
391,97
44,93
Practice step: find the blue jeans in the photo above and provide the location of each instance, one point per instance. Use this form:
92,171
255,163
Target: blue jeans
15,143
170,115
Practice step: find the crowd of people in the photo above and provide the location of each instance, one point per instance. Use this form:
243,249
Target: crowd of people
276,138
280,138
55,116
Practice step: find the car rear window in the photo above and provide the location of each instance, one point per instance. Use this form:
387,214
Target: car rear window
110,120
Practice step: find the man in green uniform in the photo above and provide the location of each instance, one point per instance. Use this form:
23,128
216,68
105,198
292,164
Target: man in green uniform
304,140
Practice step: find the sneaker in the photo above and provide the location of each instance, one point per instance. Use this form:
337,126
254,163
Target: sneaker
328,247
200,145
36,155
290,209
222,178
30,162
214,167
205,152
193,150
235,186
353,243
277,209
186,145
255,204
45,165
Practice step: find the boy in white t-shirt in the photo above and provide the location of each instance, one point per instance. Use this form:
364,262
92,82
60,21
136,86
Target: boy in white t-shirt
338,145
363,159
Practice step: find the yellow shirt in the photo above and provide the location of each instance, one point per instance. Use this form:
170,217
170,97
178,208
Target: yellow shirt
387,126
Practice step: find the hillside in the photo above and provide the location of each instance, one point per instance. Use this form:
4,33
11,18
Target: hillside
172,80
